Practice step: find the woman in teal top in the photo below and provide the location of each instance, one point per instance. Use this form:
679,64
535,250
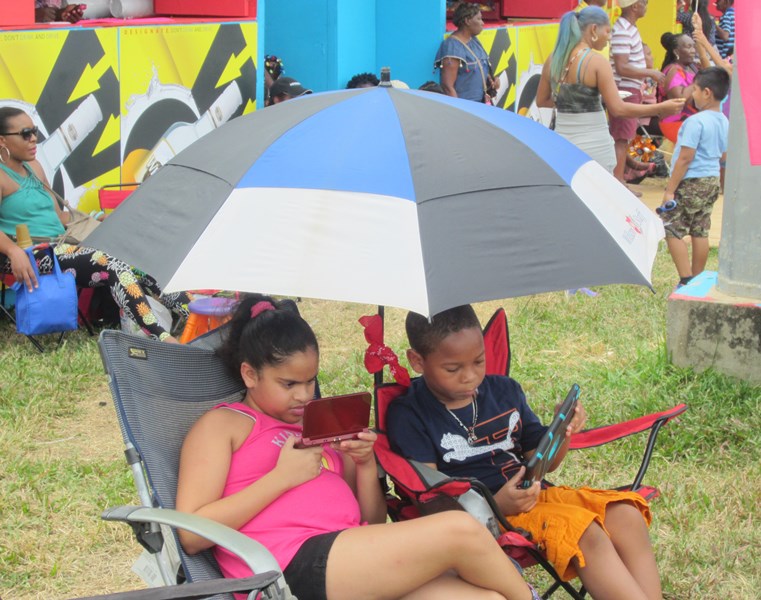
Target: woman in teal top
24,200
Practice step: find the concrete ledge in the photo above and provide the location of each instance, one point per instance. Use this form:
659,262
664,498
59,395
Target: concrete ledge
705,328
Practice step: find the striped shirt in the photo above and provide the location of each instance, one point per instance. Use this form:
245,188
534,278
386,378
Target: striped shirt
625,40
727,23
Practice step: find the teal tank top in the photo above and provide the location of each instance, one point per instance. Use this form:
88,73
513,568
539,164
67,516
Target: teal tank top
30,204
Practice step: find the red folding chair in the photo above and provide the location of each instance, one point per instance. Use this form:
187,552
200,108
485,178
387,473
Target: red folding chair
418,489
112,195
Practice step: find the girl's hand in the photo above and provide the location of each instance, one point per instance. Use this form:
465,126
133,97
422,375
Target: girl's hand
671,107
298,465
359,450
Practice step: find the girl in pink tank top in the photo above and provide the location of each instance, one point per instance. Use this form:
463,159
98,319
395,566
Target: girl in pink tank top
319,510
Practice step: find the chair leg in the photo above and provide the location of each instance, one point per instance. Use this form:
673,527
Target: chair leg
86,323
36,343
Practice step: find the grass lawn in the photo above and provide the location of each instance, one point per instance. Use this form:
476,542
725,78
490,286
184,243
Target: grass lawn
62,458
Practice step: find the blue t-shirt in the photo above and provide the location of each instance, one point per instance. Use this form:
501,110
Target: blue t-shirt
420,427
707,132
470,82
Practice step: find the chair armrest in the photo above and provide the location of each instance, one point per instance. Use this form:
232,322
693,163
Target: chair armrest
200,589
603,435
598,436
254,554
476,500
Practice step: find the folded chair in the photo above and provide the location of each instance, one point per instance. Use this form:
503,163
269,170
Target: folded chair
418,489
159,391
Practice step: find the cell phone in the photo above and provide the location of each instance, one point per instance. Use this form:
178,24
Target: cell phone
335,418
539,464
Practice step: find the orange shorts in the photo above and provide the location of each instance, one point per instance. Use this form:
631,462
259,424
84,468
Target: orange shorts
563,514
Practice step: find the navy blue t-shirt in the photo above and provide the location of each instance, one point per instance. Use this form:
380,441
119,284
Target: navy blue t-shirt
420,427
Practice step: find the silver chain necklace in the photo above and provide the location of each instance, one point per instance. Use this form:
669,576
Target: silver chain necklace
471,431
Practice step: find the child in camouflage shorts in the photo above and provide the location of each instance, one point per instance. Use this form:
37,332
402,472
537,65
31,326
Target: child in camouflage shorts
697,174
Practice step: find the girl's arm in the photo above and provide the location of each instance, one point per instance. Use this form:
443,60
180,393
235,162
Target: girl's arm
361,473
205,463
544,91
705,49
618,108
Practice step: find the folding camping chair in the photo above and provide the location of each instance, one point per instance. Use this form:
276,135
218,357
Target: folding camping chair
421,490
112,195
159,391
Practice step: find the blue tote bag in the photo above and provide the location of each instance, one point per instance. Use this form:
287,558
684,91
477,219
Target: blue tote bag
51,307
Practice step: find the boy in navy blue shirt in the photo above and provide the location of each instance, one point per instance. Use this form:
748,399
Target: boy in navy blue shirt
464,423
697,173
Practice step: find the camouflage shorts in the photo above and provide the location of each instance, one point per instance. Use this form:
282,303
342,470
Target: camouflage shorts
695,198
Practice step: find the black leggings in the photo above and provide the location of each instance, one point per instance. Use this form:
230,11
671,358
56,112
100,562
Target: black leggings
128,286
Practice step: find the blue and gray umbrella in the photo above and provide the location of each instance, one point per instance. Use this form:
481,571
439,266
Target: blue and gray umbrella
384,196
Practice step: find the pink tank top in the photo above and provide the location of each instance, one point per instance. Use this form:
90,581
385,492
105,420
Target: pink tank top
324,504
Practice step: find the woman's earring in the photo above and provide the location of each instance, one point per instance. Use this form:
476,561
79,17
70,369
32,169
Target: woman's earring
8,152
595,37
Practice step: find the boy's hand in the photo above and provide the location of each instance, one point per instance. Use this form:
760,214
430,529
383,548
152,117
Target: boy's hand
359,450
578,420
298,465
667,196
513,500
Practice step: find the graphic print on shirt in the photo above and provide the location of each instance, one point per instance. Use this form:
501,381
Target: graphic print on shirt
460,450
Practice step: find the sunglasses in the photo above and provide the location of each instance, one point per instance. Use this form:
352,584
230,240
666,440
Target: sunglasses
26,133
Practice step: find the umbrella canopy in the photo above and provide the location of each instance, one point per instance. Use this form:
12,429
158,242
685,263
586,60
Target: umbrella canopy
384,196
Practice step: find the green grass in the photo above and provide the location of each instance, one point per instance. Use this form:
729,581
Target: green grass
62,464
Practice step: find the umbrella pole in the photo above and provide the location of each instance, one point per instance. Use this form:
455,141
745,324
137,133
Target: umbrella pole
378,376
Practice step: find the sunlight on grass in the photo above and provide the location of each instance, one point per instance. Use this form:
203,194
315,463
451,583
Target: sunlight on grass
62,462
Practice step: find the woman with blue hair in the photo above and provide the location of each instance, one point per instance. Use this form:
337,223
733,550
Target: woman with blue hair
577,79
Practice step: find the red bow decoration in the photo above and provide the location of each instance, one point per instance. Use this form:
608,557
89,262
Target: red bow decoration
378,354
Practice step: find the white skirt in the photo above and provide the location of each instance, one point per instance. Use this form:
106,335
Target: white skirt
589,132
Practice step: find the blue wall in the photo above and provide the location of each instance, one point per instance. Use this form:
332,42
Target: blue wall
323,43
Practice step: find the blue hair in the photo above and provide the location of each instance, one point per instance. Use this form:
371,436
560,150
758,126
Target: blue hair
571,26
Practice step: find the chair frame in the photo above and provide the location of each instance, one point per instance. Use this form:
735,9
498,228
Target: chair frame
128,360
422,489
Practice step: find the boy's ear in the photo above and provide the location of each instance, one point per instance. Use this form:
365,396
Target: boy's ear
249,374
416,361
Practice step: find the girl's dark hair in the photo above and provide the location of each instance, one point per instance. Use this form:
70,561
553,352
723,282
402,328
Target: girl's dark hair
670,42
269,338
8,112
463,12
705,16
